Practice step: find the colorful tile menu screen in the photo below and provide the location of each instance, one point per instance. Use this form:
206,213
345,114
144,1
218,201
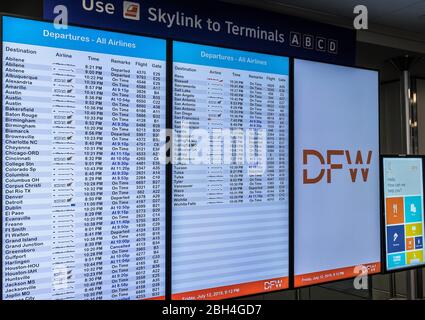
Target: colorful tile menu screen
83,207
404,214
230,173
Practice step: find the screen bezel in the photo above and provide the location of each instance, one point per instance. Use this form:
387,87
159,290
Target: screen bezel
383,213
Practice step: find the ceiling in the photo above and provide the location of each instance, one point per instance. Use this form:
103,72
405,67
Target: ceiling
407,15
397,23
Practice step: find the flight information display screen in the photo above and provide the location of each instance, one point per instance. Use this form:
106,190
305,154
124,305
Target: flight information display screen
230,172
336,180
83,187
404,216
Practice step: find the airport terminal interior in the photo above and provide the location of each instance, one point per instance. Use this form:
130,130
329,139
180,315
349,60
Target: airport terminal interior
210,150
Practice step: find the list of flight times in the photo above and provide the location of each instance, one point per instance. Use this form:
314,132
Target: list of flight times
83,185
230,172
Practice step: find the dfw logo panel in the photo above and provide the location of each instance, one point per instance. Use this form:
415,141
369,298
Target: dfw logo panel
355,163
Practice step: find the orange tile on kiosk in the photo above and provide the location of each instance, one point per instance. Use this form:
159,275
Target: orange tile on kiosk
394,210
410,243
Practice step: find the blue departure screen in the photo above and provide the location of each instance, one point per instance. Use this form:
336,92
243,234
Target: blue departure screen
230,172
83,206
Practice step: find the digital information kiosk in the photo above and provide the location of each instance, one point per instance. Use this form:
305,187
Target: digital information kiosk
404,215
83,189
230,210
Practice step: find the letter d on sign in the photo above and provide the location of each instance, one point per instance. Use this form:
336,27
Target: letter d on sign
306,154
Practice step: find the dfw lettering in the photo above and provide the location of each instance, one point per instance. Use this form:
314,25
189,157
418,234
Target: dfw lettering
333,161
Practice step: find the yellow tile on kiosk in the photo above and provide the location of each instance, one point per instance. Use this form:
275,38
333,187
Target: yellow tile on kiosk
415,257
414,230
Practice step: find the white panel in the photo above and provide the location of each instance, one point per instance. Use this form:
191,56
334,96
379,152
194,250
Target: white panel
337,218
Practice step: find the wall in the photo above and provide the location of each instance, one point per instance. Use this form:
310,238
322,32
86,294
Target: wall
420,86
30,8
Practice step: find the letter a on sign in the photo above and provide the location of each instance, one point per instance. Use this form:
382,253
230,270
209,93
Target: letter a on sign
61,20
361,21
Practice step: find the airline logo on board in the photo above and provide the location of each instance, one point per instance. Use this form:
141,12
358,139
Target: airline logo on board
355,164
131,10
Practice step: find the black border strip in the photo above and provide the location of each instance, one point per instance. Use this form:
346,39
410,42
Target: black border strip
291,174
1,163
169,174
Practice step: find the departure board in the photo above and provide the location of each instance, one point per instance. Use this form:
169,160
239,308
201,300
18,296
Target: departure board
230,172
83,194
404,216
